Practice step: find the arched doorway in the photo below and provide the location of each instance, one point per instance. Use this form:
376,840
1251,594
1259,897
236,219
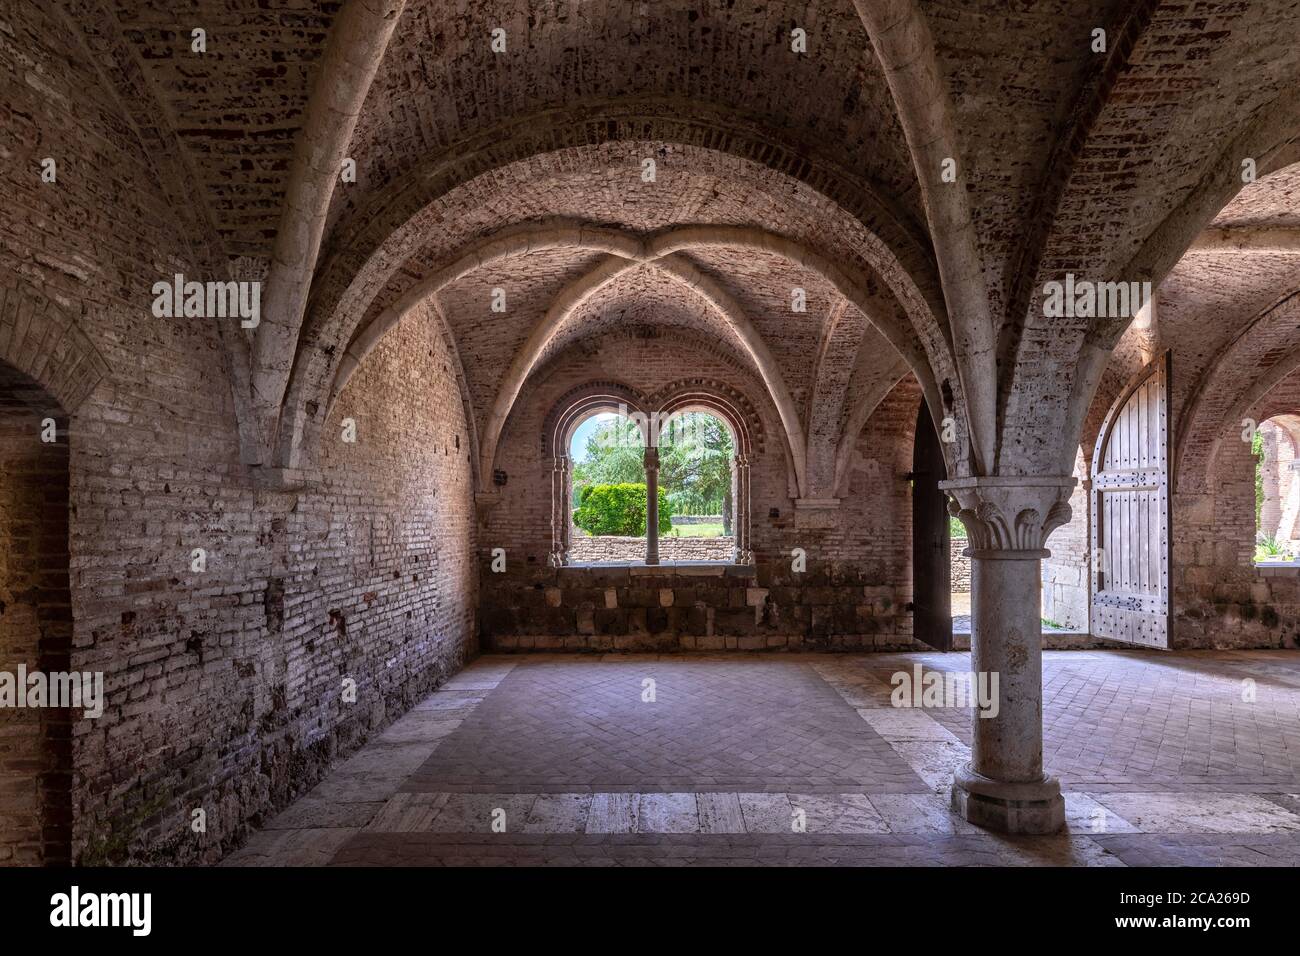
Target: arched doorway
35,623
1276,447
1131,539
931,567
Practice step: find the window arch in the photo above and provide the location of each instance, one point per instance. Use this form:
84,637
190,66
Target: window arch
658,421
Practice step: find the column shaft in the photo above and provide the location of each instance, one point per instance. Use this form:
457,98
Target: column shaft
652,506
1006,640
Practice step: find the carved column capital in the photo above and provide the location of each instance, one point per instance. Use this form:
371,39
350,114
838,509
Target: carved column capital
1010,516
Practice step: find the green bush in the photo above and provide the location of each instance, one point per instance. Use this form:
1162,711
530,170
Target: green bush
618,510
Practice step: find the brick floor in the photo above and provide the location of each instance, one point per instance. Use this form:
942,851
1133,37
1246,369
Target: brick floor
586,725
1166,759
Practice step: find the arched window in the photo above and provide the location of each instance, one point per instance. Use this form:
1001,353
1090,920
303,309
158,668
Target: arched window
608,495
1276,447
637,480
697,473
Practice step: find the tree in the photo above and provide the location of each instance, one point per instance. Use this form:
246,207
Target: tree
695,455
614,454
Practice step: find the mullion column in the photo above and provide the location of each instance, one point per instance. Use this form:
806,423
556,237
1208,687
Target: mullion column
652,506
740,511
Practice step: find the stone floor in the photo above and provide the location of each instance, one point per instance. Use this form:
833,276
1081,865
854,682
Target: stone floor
1165,759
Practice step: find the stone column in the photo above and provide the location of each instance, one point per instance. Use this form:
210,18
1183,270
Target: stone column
740,510
652,506
561,498
1008,519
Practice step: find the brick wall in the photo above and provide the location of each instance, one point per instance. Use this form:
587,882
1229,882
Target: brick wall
226,686
223,686
1220,598
851,595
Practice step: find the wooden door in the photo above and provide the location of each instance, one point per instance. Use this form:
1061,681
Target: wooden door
1131,514
931,575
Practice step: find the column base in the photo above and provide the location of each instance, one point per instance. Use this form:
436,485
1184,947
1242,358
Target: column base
1028,808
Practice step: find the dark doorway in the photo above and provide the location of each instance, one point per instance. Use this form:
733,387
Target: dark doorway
35,622
931,595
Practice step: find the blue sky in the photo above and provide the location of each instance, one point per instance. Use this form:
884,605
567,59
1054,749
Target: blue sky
578,444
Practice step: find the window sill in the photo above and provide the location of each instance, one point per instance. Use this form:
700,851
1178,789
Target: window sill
664,568
1277,569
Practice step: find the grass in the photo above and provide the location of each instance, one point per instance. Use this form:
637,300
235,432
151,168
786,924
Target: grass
695,531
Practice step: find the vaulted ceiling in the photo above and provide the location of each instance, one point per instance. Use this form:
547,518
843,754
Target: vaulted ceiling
919,168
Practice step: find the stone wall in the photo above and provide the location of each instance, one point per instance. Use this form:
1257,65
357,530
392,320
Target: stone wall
584,549
852,593
958,565
224,683
1221,599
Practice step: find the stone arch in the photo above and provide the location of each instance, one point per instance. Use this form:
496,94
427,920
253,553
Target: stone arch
35,614
900,35
577,404
1270,138
729,403
350,282
573,296
894,237
665,251
357,40
41,340
628,245
1229,393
